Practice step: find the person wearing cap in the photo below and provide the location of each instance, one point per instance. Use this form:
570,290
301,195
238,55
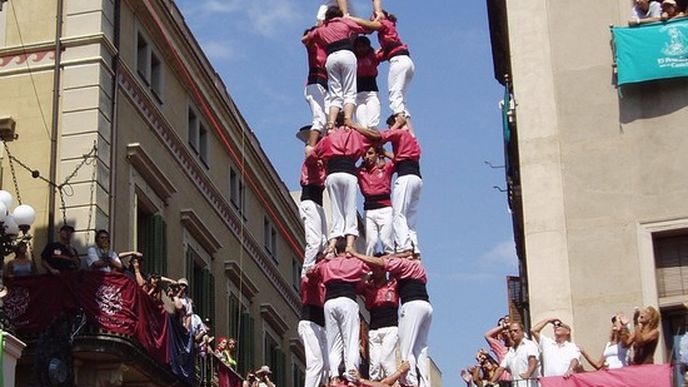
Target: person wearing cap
263,374
61,255
335,35
670,10
102,258
367,100
183,303
560,357
645,11
311,210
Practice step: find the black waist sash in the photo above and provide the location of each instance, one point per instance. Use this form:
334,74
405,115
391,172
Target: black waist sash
335,289
411,290
386,316
312,192
408,167
366,84
313,313
341,164
344,44
374,202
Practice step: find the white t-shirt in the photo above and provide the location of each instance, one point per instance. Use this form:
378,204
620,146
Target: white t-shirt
516,359
557,357
654,10
95,253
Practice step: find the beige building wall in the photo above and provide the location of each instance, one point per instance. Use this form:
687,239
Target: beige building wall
144,157
601,169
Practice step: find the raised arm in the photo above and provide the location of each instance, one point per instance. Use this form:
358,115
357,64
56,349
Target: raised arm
535,330
597,364
371,25
498,373
371,134
377,7
373,261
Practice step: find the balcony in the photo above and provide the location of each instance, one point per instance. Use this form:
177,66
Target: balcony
100,329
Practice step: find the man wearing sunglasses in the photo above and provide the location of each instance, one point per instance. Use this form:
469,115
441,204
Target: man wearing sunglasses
560,357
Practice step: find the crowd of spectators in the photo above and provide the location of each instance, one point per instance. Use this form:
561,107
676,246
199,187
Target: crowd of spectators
648,11
518,358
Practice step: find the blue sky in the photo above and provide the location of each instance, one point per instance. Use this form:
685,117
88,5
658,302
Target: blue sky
464,225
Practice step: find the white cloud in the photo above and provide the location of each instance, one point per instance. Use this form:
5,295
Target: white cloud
225,50
503,253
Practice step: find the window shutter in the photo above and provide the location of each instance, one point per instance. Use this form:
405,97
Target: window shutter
211,297
671,262
158,244
281,368
189,275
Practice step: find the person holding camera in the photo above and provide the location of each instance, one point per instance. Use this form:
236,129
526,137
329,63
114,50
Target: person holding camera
182,303
259,378
616,352
560,357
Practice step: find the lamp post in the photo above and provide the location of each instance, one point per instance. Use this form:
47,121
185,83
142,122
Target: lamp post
14,223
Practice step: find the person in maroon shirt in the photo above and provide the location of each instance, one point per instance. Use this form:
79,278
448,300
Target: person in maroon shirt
408,185
339,150
312,330
316,86
340,275
416,311
310,207
375,182
367,100
382,301
401,67
335,34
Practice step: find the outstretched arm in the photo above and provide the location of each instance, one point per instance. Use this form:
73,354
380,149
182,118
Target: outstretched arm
373,261
597,364
371,25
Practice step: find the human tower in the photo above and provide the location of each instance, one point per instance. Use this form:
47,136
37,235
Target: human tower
342,93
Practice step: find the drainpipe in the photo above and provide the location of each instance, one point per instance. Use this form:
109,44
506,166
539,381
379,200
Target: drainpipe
113,123
55,118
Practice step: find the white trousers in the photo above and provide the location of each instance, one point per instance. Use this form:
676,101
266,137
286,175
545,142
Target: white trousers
341,78
382,345
401,70
315,97
405,200
342,188
414,326
342,326
315,346
315,226
326,4
379,229
368,109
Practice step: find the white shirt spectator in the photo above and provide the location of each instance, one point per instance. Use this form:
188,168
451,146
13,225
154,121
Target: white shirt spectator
654,10
516,360
615,355
96,253
556,357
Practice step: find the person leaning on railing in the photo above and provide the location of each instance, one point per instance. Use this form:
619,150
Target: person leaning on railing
645,11
521,359
61,255
671,9
616,351
21,265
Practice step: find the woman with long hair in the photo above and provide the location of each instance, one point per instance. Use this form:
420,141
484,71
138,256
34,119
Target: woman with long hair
645,335
616,351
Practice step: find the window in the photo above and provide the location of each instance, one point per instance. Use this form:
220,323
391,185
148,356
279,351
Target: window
270,238
197,136
298,375
275,359
295,273
236,190
151,240
242,327
149,66
671,264
201,285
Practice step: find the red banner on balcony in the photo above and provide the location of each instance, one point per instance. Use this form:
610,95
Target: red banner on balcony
655,375
227,377
112,300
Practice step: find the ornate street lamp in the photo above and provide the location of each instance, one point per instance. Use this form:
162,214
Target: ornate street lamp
11,224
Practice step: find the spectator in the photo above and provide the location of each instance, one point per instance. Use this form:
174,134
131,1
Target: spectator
670,10
645,335
560,357
60,255
224,350
263,377
153,286
499,340
645,11
481,373
521,360
183,303
615,353
21,265
100,257
133,270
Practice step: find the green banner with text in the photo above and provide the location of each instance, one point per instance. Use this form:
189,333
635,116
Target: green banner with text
652,51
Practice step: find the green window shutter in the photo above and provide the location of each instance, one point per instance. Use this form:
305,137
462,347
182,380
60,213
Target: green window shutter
245,343
205,295
148,245
211,297
158,243
189,275
281,368
163,267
